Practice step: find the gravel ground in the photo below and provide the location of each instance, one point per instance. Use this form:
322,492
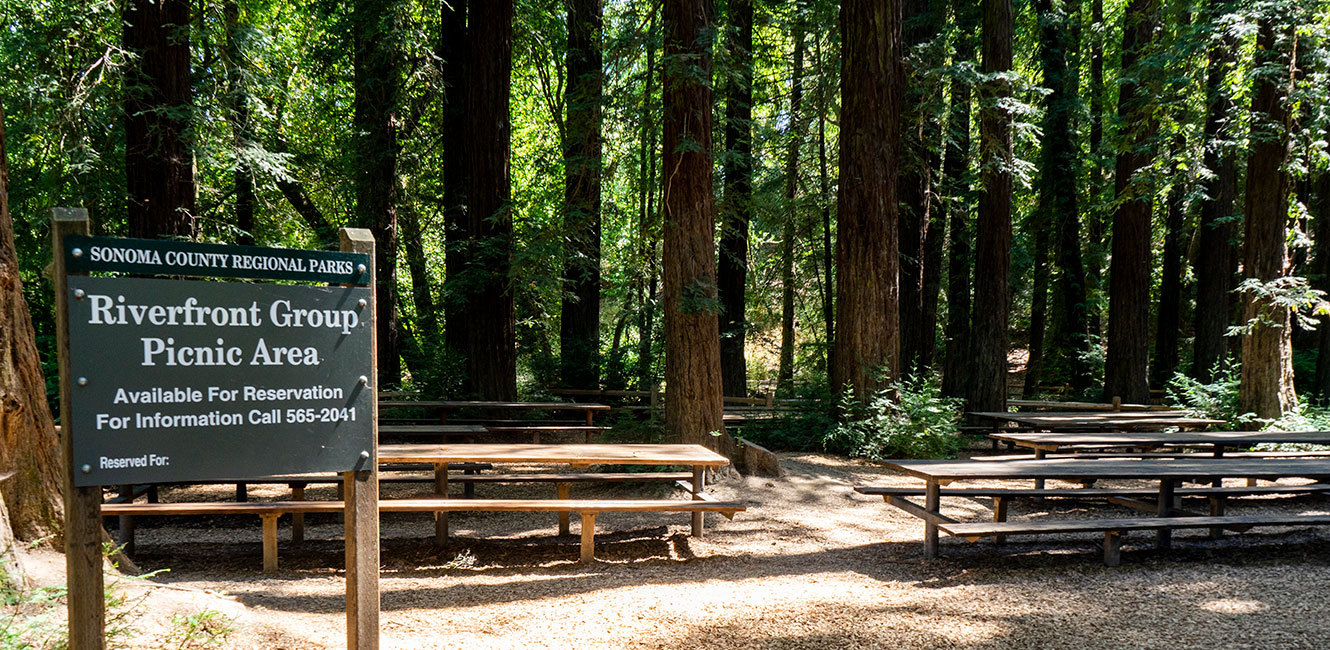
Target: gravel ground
811,564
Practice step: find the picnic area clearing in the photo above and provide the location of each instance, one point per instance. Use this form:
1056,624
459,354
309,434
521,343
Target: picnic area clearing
810,564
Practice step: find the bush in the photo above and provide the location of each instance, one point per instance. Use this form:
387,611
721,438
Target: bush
910,419
1217,399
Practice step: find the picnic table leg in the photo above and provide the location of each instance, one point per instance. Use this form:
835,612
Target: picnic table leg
699,484
1039,454
563,493
1165,507
588,537
932,503
269,541
297,518
440,491
999,515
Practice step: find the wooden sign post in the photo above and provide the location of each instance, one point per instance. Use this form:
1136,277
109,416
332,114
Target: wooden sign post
164,379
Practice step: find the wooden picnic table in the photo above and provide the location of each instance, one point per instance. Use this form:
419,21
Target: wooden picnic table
697,457
1167,472
1218,441
444,407
1112,421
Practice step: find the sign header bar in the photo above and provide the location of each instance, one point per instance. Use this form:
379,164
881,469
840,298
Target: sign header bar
166,257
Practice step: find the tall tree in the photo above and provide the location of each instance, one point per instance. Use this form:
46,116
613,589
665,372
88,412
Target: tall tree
378,86
785,371
987,390
1098,167
491,358
692,336
1058,193
737,206
921,21
1267,352
29,446
867,285
648,228
453,44
237,100
1129,281
159,153
1216,269
579,323
956,184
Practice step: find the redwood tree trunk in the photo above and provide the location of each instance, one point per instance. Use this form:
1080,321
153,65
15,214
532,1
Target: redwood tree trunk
867,347
785,372
987,389
242,136
456,229
956,184
1095,216
491,353
1129,281
692,338
1059,190
579,323
159,157
1217,265
1321,272
737,207
1267,350
377,83
920,23
29,446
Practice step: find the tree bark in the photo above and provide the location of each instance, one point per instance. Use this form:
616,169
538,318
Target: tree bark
785,371
29,446
422,285
987,390
920,23
1267,352
491,352
1169,322
1059,190
378,86
692,337
1129,281
1034,366
956,184
579,322
868,342
1217,264
456,228
1098,177
159,155
828,267
737,206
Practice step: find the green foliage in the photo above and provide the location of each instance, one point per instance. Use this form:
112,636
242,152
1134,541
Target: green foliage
1217,399
801,424
910,419
206,629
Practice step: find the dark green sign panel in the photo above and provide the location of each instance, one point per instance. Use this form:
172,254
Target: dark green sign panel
166,257
177,380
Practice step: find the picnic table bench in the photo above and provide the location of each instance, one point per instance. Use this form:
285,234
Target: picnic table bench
442,457
1167,472
1106,421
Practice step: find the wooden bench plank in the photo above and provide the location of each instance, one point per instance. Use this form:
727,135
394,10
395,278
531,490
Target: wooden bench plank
1099,493
270,510
974,531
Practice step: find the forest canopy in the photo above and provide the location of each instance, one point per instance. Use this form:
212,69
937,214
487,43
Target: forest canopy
1101,194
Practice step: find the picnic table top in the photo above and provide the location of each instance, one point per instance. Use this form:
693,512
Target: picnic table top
1054,441
578,454
460,404
1078,468
1073,420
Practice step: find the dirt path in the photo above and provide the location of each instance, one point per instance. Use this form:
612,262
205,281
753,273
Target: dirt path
809,565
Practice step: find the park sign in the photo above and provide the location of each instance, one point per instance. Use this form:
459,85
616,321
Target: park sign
184,380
